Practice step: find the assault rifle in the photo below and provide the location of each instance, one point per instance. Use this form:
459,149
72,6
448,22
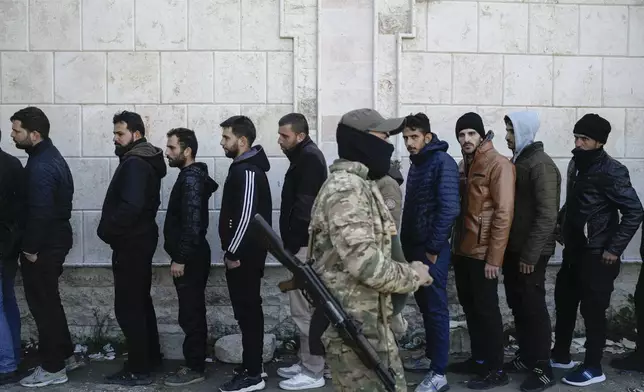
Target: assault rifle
322,298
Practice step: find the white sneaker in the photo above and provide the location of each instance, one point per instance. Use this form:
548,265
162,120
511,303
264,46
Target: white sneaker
301,382
433,383
290,372
41,378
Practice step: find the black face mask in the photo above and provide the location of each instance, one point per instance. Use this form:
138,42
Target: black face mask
371,151
584,158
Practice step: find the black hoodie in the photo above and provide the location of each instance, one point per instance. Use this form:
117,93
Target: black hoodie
186,221
133,197
246,192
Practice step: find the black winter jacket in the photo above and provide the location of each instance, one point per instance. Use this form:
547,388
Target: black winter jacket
186,221
133,197
302,182
12,199
246,192
50,190
594,199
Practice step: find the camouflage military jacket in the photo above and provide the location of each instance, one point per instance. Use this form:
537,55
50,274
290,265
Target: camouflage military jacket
350,241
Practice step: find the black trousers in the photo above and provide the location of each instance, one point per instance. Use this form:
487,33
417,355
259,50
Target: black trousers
526,296
244,285
479,298
639,311
584,283
132,268
40,280
191,290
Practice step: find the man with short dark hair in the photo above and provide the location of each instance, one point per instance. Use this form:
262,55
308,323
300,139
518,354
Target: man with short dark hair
246,193
431,206
11,207
184,230
128,225
304,177
46,242
530,246
594,237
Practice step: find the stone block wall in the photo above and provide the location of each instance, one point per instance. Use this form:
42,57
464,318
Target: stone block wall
193,63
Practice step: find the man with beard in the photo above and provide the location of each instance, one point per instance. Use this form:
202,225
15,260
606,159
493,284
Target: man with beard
431,206
246,193
11,207
480,238
599,190
128,225
46,241
351,234
304,177
184,230
530,246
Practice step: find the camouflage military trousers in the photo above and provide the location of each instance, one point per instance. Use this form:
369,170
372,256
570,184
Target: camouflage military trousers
349,374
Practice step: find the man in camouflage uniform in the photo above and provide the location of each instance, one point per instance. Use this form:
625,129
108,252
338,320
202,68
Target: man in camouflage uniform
350,240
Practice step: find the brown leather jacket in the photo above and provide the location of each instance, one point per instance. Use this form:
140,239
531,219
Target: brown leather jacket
487,183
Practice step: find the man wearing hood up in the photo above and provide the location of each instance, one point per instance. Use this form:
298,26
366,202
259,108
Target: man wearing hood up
184,231
531,244
350,238
599,189
480,239
128,225
431,206
246,193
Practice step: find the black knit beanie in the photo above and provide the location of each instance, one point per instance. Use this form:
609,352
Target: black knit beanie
470,121
594,126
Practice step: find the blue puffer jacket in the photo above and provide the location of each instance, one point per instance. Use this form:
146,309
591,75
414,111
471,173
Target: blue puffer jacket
432,200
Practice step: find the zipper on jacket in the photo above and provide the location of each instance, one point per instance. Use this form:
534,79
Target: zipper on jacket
478,241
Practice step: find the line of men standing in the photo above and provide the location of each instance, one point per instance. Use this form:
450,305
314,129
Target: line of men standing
504,216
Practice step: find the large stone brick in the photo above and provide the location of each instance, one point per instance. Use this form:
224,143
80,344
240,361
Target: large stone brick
54,25
452,26
95,250
261,30
108,25
133,78
159,119
161,24
205,120
636,29
623,84
80,77
556,130
551,30
603,30
578,81
13,32
214,24
527,80
426,78
280,80
27,77
91,178
65,127
240,77
634,134
420,23
97,129
503,28
187,77
478,79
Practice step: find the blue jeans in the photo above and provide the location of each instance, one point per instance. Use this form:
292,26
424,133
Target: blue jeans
432,302
9,318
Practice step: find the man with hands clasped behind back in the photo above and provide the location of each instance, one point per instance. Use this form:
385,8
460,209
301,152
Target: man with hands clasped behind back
185,228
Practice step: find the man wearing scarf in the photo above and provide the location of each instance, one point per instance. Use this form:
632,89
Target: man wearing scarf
598,190
350,239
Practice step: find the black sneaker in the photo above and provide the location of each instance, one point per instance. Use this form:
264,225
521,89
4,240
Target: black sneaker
184,376
240,369
490,379
9,378
127,378
469,366
540,379
244,383
516,366
633,362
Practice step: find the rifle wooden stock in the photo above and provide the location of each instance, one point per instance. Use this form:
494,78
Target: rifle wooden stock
322,298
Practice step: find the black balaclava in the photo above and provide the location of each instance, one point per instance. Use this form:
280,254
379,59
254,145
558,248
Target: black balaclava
371,151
